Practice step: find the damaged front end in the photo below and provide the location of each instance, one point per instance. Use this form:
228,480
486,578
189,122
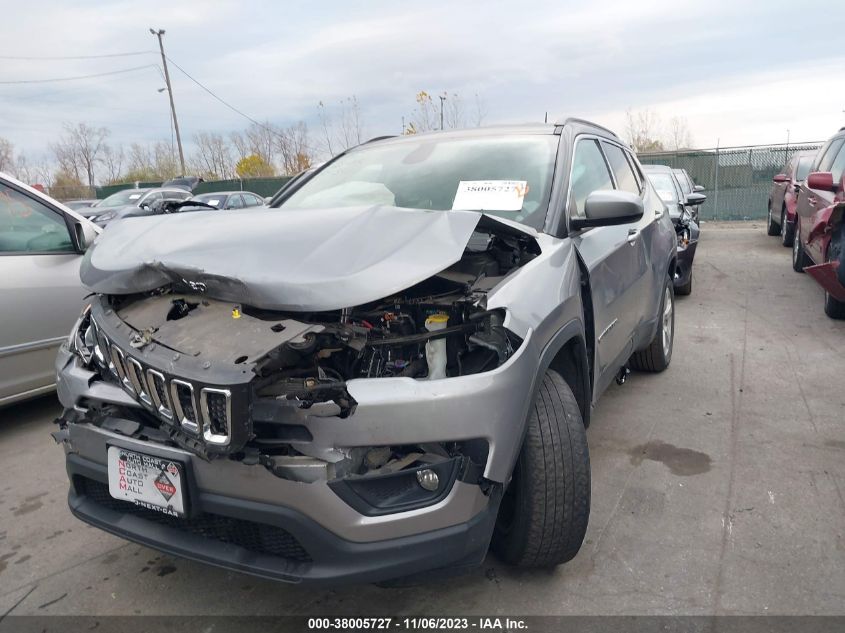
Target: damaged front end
273,389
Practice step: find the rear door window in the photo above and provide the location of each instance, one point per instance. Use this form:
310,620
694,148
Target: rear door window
625,178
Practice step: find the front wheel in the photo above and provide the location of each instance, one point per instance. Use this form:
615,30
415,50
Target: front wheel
658,354
771,227
799,257
787,232
546,507
833,308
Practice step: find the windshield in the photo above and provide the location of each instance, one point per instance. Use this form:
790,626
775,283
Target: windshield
213,199
683,182
803,169
665,187
509,176
122,198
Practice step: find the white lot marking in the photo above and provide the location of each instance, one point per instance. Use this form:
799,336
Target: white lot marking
771,497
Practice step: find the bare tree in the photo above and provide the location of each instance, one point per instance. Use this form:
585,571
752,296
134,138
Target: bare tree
213,156
643,130
326,129
679,134
32,172
294,149
113,159
7,154
480,111
80,149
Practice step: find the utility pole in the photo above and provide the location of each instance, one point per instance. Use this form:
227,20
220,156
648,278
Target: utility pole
158,34
442,99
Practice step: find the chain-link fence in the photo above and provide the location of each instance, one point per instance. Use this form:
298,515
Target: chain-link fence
736,180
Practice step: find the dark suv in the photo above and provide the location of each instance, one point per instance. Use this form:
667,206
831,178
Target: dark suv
819,246
381,376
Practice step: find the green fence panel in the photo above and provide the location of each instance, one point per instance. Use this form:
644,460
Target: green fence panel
736,180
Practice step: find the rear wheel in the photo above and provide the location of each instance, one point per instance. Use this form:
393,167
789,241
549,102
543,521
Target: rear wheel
546,507
771,227
658,354
787,232
799,257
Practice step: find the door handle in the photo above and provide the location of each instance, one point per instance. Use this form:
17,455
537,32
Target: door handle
633,234
658,213
811,200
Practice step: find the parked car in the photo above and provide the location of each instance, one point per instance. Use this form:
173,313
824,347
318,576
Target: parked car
665,181
230,199
131,203
41,245
819,245
688,186
385,376
80,204
783,197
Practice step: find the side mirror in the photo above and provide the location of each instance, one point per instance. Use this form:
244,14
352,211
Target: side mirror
821,180
608,208
695,199
698,188
780,178
85,234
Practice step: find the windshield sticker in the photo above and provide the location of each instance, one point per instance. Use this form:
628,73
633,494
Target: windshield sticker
490,195
214,202
666,196
134,196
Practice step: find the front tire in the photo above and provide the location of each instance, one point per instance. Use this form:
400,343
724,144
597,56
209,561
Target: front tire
799,257
546,507
833,308
772,228
685,289
657,356
787,232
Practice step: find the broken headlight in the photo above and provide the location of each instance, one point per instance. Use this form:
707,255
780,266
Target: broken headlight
82,340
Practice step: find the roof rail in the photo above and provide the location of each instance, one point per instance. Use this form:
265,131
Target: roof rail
573,119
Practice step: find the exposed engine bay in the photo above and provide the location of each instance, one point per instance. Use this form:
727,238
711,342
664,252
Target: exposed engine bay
277,366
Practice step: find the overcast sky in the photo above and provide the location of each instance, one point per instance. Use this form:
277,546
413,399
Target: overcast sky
740,72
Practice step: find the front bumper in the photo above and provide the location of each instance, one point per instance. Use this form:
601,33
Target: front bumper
341,543
236,533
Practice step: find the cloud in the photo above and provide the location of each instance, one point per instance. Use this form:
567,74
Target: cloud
738,71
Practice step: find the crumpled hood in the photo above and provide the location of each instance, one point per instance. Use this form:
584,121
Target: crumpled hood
280,259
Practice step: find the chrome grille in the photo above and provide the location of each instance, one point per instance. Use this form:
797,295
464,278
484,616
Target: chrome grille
205,411
136,377
216,407
184,404
158,391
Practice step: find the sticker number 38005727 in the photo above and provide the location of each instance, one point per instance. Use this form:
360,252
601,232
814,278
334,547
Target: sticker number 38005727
147,481
490,195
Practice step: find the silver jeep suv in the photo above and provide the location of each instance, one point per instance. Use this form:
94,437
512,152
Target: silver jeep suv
385,374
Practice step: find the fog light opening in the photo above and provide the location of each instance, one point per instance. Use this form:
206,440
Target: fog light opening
428,479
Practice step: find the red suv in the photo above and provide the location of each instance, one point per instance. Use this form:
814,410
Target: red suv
819,245
784,195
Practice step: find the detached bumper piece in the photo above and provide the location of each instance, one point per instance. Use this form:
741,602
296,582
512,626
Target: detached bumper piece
273,541
827,276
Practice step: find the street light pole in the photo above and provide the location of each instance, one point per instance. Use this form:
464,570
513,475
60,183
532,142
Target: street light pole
158,34
442,99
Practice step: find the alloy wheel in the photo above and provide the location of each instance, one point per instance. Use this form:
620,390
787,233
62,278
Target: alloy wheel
668,322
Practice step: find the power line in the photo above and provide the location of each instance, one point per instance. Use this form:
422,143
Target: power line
61,57
221,100
44,81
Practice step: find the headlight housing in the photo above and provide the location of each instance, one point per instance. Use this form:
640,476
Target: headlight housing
82,340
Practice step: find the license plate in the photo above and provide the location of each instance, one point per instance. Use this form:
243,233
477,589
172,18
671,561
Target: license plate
150,482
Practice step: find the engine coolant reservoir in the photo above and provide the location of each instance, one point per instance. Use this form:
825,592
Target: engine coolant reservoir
435,349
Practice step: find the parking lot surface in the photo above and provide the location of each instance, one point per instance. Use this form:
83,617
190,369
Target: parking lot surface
718,487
